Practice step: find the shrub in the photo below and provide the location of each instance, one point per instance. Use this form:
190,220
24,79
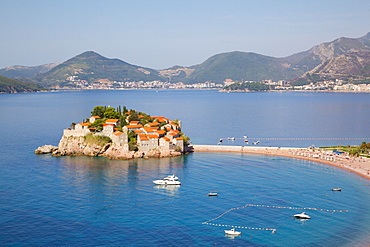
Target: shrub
97,139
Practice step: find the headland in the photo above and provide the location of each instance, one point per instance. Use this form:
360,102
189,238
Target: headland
359,165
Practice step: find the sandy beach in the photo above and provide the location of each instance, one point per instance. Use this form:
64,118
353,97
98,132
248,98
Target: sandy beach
358,165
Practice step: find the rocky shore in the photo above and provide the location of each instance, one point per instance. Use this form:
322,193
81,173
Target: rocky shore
78,146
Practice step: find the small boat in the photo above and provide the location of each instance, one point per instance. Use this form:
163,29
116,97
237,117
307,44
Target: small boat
336,189
169,180
302,216
232,232
256,143
212,193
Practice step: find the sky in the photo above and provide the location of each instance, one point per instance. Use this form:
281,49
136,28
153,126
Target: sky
159,34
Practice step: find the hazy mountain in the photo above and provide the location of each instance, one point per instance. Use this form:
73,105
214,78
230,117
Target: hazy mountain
91,67
307,60
238,66
26,71
353,65
251,66
8,85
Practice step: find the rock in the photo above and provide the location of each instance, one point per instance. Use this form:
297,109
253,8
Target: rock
139,154
118,152
77,145
175,153
46,149
153,153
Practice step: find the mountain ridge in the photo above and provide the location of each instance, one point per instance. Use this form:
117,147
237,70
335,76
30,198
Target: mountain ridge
92,67
354,66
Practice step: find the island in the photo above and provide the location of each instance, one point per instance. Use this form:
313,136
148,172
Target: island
119,133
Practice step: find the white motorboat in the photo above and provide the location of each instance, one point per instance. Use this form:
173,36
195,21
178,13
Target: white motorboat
169,180
232,232
213,193
302,216
336,189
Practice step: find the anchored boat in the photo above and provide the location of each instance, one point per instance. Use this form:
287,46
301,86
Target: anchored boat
302,216
169,180
232,232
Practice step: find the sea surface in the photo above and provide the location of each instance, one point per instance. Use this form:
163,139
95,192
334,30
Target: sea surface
85,201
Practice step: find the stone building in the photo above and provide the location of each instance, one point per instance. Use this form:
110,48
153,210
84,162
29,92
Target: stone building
149,137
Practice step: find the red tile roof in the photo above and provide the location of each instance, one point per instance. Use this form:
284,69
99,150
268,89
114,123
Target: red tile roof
153,124
84,124
160,132
149,129
134,126
152,136
112,120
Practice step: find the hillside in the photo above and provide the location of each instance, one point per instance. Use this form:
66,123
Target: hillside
8,85
354,66
92,67
308,60
251,66
238,66
25,71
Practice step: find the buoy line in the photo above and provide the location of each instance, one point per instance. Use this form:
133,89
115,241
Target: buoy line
265,206
303,138
243,227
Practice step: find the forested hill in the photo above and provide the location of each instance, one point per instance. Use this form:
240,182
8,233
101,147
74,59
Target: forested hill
8,85
240,66
92,67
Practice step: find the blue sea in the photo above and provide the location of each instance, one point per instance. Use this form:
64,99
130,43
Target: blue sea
86,201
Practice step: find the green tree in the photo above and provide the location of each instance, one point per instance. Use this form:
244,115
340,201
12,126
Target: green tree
134,116
98,111
132,141
98,122
111,113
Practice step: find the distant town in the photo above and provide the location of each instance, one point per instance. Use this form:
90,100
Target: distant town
269,85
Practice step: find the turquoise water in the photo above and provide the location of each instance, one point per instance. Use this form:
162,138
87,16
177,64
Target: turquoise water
78,201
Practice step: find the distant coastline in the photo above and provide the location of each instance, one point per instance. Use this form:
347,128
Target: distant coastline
292,90
189,89
360,166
